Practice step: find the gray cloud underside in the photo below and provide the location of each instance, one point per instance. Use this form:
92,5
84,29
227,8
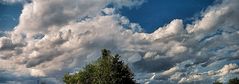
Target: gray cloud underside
59,36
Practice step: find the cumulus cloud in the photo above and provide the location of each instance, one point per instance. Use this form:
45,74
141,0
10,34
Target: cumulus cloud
59,36
44,15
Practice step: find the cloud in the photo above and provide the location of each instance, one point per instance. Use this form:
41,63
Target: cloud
58,36
14,1
171,71
227,68
6,43
37,73
171,30
44,15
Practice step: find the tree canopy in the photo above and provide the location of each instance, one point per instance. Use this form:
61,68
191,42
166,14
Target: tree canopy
108,69
233,81
230,81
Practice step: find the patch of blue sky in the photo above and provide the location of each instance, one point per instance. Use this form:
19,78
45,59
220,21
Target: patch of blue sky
156,13
9,16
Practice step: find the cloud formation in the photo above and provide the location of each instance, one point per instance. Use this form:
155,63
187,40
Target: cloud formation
59,36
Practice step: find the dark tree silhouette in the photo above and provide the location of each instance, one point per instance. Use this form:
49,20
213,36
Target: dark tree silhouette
230,81
217,82
108,69
233,81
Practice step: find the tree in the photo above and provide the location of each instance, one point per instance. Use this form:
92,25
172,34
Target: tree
230,81
233,81
217,82
108,69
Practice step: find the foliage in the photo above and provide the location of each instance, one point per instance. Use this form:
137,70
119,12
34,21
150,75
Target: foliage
233,81
108,69
217,82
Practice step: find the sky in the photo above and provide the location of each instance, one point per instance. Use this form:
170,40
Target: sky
162,41
156,13
9,16
150,15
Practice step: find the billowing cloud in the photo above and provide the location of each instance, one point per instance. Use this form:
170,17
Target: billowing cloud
59,36
44,15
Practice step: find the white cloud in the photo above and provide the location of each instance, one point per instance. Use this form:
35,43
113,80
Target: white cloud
173,28
227,68
169,72
37,73
51,39
52,15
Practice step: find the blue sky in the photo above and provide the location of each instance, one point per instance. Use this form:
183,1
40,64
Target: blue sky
150,15
157,13
9,15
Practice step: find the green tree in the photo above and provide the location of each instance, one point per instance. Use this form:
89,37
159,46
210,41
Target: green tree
233,81
108,69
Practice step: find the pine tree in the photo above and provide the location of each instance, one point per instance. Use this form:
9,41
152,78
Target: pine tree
108,69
